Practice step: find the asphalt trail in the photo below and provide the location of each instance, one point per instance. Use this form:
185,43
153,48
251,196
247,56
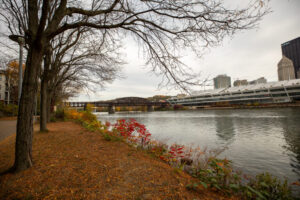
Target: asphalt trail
7,128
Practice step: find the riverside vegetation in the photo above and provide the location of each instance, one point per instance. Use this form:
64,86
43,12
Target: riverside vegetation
209,170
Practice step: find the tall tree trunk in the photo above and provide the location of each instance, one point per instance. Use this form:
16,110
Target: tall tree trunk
23,151
44,105
48,107
49,101
44,90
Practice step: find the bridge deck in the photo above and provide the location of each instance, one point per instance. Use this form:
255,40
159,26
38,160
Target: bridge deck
127,101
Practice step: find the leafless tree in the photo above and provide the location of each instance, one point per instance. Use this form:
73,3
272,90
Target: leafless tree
161,27
75,60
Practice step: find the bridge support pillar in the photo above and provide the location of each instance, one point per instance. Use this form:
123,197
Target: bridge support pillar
150,108
111,109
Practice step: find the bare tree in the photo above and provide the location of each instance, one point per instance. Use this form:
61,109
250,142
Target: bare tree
161,27
75,60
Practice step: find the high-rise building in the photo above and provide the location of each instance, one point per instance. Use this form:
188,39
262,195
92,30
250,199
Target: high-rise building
286,69
291,50
222,81
258,81
240,82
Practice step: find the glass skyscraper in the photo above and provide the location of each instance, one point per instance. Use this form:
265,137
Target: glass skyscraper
291,50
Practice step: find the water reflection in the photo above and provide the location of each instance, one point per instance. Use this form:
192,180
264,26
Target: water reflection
291,133
225,129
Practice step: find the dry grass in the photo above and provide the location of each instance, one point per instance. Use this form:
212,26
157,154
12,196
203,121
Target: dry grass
71,163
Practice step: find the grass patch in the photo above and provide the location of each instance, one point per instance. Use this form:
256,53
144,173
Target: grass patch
113,138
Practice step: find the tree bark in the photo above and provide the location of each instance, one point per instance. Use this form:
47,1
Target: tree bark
23,147
44,105
48,108
49,103
44,95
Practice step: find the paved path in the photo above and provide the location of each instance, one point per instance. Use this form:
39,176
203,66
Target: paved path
7,128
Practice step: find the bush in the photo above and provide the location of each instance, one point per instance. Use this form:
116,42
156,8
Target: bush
89,108
88,116
133,132
60,114
110,137
9,110
219,175
266,186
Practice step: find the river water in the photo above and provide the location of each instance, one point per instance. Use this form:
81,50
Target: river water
256,140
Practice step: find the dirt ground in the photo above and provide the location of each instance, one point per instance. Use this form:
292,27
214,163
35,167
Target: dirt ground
7,118
72,163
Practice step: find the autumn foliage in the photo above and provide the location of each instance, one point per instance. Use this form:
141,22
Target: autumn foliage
12,75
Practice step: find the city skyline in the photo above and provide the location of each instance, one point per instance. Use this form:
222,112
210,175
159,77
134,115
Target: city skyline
248,55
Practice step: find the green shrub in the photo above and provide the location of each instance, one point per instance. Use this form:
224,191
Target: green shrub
109,137
218,175
60,114
53,119
9,110
266,186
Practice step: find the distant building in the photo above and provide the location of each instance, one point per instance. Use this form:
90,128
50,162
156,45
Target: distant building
285,69
158,98
258,81
5,95
181,95
240,82
222,81
291,50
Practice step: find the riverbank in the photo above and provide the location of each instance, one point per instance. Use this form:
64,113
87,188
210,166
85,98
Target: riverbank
254,140
73,163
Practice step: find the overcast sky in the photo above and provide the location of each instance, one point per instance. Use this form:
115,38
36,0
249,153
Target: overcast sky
248,55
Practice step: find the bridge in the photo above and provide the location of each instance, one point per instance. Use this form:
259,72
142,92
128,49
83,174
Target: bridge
125,101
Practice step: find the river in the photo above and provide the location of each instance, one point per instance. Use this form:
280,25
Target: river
256,140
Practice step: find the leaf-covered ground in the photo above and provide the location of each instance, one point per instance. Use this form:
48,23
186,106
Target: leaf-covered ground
7,118
72,163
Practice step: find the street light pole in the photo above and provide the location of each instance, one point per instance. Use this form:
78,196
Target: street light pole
21,43
20,40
